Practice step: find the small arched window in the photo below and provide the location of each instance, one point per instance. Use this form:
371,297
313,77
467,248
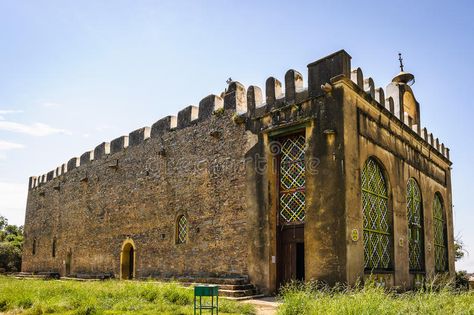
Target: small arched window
440,237
181,230
377,218
53,250
33,250
415,226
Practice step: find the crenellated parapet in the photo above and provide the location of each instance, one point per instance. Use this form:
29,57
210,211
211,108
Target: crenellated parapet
398,99
251,104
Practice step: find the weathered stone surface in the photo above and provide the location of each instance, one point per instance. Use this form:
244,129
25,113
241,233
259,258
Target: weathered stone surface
87,157
163,125
357,77
138,136
187,115
254,99
73,163
369,87
118,144
321,71
208,105
102,150
235,98
272,90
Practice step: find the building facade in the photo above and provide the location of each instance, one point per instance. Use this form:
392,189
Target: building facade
333,181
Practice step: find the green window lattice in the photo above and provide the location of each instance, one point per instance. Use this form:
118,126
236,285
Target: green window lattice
439,225
415,226
182,230
292,179
377,218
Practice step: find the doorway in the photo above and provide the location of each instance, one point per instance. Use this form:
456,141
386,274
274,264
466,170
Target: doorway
127,261
291,181
291,262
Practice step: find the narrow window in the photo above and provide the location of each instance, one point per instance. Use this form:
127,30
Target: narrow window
53,253
415,226
377,218
33,250
292,180
182,230
440,237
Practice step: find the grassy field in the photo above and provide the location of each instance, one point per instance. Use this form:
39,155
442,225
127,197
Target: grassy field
306,299
22,296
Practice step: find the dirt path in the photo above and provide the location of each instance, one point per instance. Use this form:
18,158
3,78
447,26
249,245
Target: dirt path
264,306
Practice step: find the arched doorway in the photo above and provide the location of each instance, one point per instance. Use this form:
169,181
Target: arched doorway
127,260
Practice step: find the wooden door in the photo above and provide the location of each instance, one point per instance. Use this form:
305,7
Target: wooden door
291,254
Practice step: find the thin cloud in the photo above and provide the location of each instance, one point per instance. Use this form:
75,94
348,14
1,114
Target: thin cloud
5,145
35,129
51,104
8,111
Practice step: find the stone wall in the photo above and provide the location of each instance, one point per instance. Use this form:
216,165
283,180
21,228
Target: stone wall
373,131
138,193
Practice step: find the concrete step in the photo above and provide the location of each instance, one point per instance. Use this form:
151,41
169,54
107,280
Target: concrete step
237,293
244,298
222,286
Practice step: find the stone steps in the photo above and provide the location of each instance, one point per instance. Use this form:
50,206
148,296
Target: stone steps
244,298
211,280
238,287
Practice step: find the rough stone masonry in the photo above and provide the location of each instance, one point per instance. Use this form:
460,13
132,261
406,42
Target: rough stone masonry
334,181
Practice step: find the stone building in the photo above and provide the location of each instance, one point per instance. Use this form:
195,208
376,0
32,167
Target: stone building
333,181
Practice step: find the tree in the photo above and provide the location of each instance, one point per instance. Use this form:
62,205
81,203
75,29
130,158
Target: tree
459,250
11,243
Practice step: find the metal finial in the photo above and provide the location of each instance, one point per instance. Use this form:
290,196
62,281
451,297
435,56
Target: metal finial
229,80
401,61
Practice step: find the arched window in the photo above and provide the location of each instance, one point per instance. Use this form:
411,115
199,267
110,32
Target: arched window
415,226
439,226
181,230
377,218
53,250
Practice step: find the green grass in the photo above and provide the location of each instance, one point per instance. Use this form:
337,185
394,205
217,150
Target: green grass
302,299
26,296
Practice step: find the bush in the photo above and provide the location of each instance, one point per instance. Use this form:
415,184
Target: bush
10,257
462,280
372,299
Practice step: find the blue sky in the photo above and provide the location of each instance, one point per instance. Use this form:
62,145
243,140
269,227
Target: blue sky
76,73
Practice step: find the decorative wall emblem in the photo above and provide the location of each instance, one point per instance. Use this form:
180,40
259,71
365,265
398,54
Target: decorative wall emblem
355,235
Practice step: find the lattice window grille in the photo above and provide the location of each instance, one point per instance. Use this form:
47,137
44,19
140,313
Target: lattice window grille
377,218
292,179
439,226
415,226
182,230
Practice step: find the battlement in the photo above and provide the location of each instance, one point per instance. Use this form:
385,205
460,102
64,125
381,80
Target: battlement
249,104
